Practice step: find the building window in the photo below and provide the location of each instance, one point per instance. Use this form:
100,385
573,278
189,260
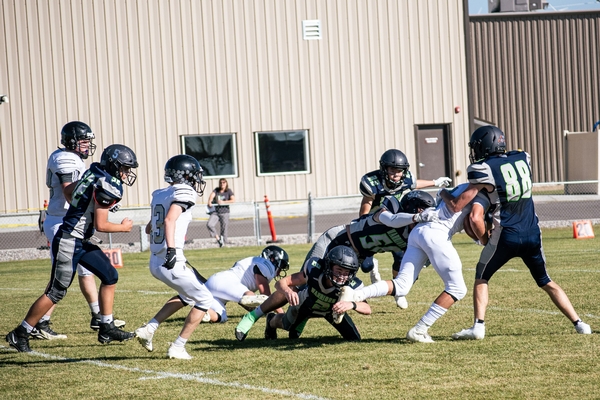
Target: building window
282,153
215,153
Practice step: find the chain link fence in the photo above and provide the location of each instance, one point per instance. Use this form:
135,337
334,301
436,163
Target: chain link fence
296,221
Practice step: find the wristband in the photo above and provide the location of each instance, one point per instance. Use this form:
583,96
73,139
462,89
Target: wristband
353,305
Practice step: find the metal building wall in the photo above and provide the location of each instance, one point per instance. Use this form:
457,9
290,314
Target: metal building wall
144,72
536,75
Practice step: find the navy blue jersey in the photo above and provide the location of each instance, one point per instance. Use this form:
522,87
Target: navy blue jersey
372,185
320,299
368,237
510,174
96,185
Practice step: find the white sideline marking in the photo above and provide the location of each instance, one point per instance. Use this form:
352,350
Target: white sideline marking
197,377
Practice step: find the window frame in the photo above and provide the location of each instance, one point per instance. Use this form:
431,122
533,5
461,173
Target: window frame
306,146
234,157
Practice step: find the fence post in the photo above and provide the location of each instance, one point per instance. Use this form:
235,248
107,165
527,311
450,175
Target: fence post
311,219
257,224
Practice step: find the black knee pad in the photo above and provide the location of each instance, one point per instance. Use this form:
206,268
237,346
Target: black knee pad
56,295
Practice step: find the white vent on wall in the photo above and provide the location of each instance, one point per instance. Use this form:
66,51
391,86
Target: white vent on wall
311,29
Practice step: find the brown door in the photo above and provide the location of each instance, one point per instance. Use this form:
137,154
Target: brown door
433,151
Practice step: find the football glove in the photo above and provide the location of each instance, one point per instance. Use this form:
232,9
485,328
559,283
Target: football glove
170,258
442,181
427,215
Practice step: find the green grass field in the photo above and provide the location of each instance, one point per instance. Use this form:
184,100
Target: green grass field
531,350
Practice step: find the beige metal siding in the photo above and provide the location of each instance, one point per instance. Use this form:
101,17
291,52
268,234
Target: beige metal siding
144,72
536,75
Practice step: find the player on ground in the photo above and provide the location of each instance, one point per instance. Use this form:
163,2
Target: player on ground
323,280
365,235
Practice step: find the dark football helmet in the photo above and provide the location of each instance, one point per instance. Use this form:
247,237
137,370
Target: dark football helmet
346,258
278,257
486,141
185,169
116,157
75,131
415,201
393,158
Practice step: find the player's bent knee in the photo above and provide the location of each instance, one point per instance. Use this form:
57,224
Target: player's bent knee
55,294
458,293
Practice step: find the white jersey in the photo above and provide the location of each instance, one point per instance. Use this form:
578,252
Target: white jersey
454,221
244,271
182,195
63,167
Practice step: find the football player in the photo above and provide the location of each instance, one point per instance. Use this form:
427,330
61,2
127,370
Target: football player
65,166
506,178
365,235
90,198
247,276
323,280
432,241
391,179
171,210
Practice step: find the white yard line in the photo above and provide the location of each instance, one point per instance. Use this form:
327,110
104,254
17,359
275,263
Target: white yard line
199,377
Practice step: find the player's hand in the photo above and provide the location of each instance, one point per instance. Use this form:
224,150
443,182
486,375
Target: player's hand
292,297
427,215
442,181
115,207
170,258
127,224
342,306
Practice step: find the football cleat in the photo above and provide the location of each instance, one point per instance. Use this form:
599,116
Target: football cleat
178,353
109,332
346,294
253,300
270,333
401,302
583,328
144,337
244,326
476,332
44,332
415,335
19,339
95,322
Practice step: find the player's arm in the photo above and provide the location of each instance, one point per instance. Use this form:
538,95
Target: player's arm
455,204
365,205
360,307
477,224
261,282
175,210
102,224
149,227
68,188
285,286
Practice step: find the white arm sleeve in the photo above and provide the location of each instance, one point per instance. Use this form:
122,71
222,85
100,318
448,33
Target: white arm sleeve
395,220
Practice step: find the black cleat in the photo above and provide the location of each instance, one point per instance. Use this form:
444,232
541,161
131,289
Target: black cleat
109,332
239,335
95,322
43,331
270,333
19,339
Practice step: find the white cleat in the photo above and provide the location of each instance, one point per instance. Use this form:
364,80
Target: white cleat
144,337
473,333
178,352
583,328
401,302
253,300
375,276
346,294
415,335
